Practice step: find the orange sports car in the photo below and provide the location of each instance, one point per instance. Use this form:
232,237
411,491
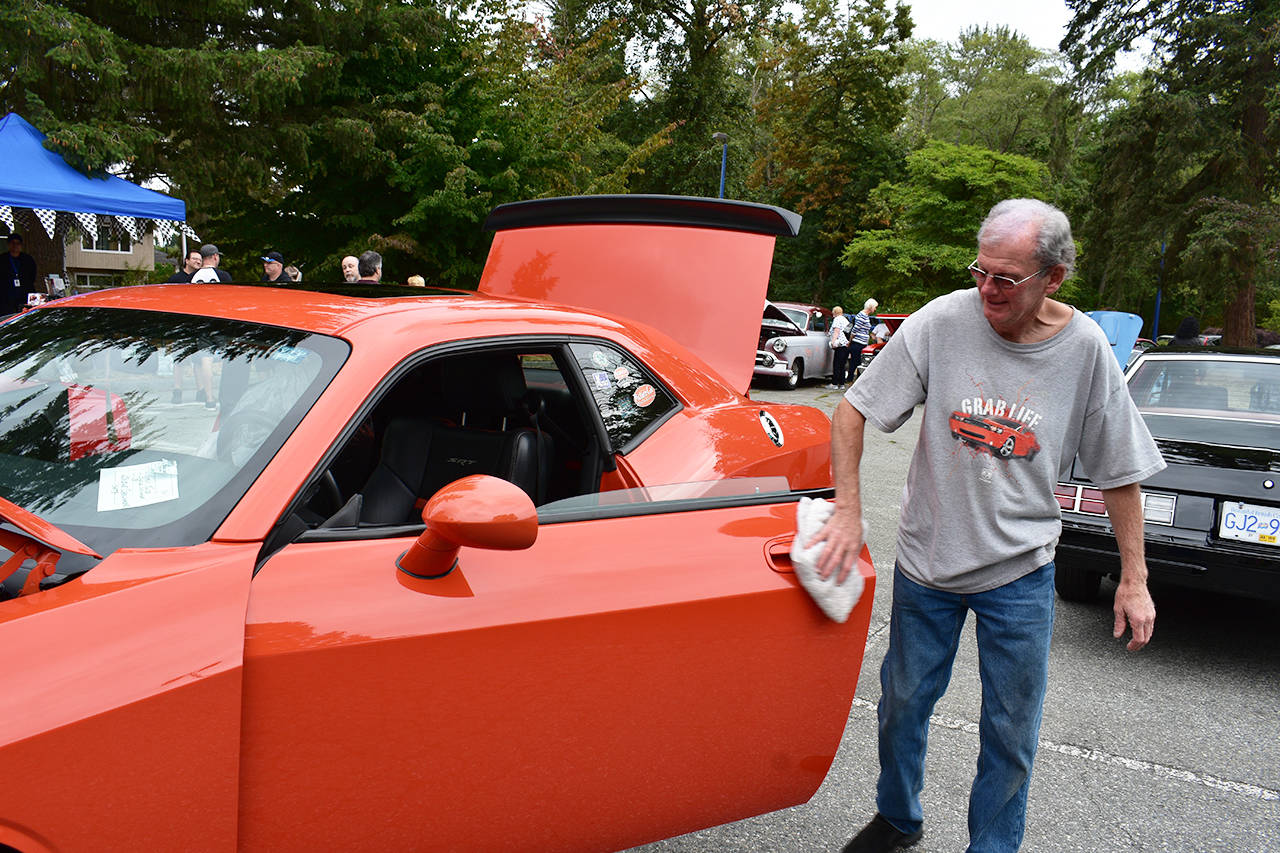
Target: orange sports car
395,569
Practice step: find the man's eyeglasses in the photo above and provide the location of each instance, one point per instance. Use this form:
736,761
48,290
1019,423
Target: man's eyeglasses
1001,281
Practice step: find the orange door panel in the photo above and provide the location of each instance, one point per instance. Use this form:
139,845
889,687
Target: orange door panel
120,698
622,680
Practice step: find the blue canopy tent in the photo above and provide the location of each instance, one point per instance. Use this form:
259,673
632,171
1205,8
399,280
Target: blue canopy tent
36,179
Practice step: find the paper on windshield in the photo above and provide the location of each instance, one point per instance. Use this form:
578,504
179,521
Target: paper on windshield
129,486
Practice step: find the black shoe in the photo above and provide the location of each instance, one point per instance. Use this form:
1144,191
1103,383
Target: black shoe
880,836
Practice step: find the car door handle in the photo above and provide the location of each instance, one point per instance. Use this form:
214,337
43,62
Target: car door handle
777,552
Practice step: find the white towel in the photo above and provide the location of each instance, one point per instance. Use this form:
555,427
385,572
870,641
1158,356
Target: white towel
835,599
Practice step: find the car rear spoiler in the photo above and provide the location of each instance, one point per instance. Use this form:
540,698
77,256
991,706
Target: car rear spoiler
690,211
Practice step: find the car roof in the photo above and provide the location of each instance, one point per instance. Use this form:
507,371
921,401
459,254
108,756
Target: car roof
339,313
1218,353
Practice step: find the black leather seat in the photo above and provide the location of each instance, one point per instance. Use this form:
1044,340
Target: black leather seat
483,433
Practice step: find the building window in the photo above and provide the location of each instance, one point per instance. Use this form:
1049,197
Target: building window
105,241
97,281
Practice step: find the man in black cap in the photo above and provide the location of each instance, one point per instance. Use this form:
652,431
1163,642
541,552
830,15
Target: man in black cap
19,277
273,268
210,272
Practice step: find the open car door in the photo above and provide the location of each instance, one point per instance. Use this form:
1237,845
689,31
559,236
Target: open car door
647,667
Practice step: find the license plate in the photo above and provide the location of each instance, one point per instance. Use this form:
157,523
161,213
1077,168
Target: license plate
1250,523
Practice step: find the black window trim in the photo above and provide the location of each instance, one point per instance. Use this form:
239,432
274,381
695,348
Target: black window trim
577,515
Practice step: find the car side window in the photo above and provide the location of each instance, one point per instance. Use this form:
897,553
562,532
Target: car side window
817,323
503,411
628,397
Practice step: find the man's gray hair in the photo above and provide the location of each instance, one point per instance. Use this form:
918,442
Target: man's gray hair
369,263
1054,246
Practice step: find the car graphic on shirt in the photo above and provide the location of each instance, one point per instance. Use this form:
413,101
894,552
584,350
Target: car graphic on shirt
1004,437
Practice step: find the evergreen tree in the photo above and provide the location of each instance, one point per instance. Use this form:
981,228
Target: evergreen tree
1192,164
829,107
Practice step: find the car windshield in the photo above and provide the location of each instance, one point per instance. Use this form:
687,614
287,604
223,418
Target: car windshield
142,429
799,316
1226,387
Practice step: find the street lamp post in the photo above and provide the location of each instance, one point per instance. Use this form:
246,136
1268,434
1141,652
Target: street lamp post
723,139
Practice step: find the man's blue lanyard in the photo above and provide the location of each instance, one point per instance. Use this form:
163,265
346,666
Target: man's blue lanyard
17,269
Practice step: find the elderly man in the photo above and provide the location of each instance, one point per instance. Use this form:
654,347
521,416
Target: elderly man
979,521
273,268
370,268
350,268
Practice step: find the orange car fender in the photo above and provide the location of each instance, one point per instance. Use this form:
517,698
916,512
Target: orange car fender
122,690
739,441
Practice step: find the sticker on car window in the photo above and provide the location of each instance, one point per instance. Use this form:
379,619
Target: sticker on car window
621,374
599,359
291,355
643,395
131,486
600,378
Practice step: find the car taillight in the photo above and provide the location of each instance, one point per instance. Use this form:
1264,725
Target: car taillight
1080,499
1091,502
1158,509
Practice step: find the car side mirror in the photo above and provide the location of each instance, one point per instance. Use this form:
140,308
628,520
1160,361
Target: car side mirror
477,511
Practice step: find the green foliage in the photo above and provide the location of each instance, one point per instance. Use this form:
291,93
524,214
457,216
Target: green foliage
1190,163
990,88
930,220
828,107
323,130
163,271
320,132
693,54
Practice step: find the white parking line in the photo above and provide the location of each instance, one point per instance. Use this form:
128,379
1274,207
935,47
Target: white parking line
1164,771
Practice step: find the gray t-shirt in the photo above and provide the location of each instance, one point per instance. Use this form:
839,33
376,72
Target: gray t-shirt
1002,423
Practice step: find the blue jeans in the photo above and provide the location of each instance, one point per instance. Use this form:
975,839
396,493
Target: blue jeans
1014,626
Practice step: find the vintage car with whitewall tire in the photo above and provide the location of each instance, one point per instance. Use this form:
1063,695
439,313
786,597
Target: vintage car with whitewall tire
793,344
1212,518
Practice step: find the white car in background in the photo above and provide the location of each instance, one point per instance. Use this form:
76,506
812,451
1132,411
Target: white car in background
793,343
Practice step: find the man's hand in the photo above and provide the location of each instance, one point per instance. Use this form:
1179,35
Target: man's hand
843,535
1134,608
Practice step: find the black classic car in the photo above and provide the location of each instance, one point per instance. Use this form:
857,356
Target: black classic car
1212,518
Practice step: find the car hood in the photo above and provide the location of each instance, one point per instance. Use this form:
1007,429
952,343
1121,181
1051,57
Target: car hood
696,269
777,321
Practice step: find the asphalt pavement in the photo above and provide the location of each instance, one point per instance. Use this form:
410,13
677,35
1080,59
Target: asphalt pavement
1172,748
